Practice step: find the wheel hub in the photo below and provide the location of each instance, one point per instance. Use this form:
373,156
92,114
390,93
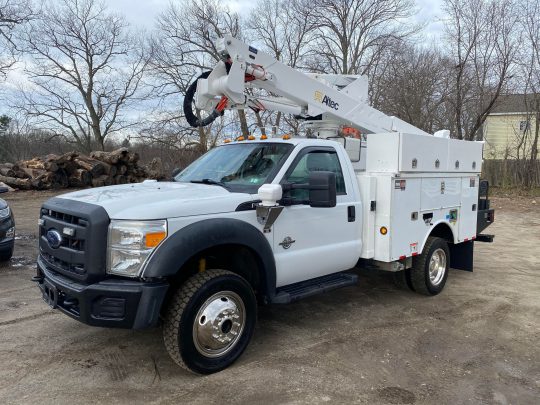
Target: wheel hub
219,324
437,266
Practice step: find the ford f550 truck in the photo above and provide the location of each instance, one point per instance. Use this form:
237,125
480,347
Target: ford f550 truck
265,220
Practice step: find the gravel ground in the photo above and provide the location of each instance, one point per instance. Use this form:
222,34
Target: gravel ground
477,342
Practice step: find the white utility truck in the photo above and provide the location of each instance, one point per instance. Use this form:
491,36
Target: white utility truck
265,220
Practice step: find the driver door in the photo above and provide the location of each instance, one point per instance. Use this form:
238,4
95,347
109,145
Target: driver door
312,242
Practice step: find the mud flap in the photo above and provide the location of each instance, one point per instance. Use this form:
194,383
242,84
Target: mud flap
462,255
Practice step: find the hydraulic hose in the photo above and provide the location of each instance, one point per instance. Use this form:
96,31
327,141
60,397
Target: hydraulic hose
191,118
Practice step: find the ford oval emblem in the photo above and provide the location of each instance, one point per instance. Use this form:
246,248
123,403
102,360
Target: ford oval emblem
54,238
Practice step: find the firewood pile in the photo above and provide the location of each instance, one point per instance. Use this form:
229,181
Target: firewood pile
73,169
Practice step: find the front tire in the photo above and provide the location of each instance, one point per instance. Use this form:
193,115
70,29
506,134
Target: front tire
430,269
210,321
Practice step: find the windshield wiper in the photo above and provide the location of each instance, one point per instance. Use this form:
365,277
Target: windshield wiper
211,182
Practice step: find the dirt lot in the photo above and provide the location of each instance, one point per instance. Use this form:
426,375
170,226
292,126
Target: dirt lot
477,342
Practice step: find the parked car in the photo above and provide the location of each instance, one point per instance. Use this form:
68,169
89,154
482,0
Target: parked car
7,229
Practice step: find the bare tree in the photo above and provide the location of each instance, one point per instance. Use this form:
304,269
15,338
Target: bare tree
531,11
283,29
352,35
86,71
414,87
183,47
482,40
13,13
529,136
20,141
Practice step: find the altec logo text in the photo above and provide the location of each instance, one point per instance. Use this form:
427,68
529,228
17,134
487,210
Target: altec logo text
324,99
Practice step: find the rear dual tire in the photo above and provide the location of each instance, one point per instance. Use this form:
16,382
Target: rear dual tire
429,271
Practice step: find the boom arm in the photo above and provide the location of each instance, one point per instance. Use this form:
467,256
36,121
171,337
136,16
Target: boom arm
245,67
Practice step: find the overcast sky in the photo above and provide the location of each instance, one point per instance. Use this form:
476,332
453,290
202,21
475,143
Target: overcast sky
143,12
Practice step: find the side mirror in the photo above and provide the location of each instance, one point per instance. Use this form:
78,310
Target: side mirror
4,190
270,194
322,189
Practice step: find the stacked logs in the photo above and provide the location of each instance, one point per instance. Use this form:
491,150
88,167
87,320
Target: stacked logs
73,169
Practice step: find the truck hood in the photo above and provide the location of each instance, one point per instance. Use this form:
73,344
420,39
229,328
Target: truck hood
153,200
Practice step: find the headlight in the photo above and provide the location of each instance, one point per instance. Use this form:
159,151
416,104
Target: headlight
131,243
4,213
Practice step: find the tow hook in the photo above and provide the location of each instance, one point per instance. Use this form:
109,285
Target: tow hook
70,302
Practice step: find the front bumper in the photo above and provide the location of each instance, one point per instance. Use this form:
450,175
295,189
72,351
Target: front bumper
112,303
6,245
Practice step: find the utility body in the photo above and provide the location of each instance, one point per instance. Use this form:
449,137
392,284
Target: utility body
266,220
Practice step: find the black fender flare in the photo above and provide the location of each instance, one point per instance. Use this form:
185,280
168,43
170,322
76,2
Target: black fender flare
187,242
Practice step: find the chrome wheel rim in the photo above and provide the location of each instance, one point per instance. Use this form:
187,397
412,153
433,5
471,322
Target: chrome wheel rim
219,324
437,266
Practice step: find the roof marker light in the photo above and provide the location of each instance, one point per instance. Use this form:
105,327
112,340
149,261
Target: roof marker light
286,137
227,141
263,137
251,138
240,138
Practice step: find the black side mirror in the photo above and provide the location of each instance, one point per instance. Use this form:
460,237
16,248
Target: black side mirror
322,189
4,190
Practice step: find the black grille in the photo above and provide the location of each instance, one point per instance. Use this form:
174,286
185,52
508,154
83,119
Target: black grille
65,266
75,242
60,258
67,218
83,226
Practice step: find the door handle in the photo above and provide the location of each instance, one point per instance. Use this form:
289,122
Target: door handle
351,213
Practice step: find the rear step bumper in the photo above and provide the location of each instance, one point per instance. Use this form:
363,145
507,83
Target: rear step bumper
304,289
485,238
484,219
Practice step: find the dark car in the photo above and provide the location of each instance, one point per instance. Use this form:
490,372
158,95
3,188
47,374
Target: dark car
7,229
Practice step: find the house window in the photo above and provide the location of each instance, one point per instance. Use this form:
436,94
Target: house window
524,126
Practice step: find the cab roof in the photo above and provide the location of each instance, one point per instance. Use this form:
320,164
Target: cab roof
292,141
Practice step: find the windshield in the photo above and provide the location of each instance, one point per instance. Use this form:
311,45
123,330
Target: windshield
238,167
